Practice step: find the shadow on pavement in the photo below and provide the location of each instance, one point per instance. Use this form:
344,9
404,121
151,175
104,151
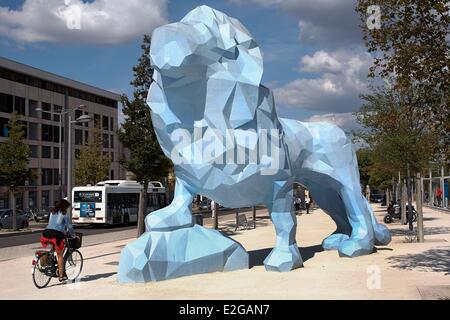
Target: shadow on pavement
257,256
427,231
102,255
97,276
432,260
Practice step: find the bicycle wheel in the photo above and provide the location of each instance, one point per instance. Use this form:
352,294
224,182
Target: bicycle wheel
42,272
73,265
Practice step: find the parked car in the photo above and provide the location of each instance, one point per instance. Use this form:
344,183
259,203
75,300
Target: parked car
6,219
42,215
204,205
377,198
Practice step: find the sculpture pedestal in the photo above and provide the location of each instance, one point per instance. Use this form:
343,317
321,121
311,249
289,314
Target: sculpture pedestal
161,255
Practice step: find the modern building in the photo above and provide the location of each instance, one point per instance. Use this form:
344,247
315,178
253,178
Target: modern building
38,96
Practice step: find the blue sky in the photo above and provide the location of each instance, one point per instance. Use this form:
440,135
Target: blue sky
314,58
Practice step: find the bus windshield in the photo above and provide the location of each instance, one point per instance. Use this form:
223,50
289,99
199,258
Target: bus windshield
87,196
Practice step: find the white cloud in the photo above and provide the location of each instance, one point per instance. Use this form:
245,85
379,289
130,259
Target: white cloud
321,61
99,21
342,78
346,121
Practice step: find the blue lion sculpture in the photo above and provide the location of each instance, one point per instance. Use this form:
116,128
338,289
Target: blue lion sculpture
219,126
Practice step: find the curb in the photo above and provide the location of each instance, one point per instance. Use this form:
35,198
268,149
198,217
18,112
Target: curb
18,233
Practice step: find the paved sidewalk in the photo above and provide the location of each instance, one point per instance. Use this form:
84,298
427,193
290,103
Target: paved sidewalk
406,270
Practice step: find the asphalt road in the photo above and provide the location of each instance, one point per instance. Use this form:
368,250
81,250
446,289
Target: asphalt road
85,230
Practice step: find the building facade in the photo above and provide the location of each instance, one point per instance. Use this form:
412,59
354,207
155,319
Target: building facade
38,97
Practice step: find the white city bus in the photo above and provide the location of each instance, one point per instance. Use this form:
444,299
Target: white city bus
114,201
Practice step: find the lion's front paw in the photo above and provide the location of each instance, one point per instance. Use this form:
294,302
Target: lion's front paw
167,219
333,241
382,235
283,260
355,247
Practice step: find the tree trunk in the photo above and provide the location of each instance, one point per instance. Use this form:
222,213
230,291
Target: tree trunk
142,203
409,187
254,216
420,235
12,198
403,204
216,215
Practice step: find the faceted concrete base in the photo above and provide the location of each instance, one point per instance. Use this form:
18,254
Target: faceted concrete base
161,255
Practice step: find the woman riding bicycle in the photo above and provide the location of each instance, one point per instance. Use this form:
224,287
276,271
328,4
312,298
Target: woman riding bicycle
58,224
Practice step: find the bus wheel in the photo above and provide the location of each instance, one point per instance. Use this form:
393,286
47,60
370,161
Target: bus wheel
126,220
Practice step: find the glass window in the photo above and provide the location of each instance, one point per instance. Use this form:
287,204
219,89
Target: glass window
77,153
78,113
56,177
78,137
105,140
32,198
4,127
56,109
112,142
55,133
46,111
111,123
32,105
105,123
46,152
111,175
86,137
47,132
112,158
33,131
19,201
86,124
55,152
97,120
6,103
45,201
19,105
34,151
47,177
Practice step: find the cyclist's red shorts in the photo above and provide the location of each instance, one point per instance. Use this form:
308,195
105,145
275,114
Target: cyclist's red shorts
53,236
59,245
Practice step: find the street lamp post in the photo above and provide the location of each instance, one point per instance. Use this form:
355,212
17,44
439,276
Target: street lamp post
81,119
60,114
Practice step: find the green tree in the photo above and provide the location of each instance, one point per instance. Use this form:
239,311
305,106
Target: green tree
147,161
411,50
92,165
397,133
398,136
14,158
364,165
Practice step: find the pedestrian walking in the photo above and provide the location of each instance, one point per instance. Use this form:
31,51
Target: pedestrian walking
308,203
297,203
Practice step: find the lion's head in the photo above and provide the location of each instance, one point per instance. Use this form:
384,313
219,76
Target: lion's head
204,61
